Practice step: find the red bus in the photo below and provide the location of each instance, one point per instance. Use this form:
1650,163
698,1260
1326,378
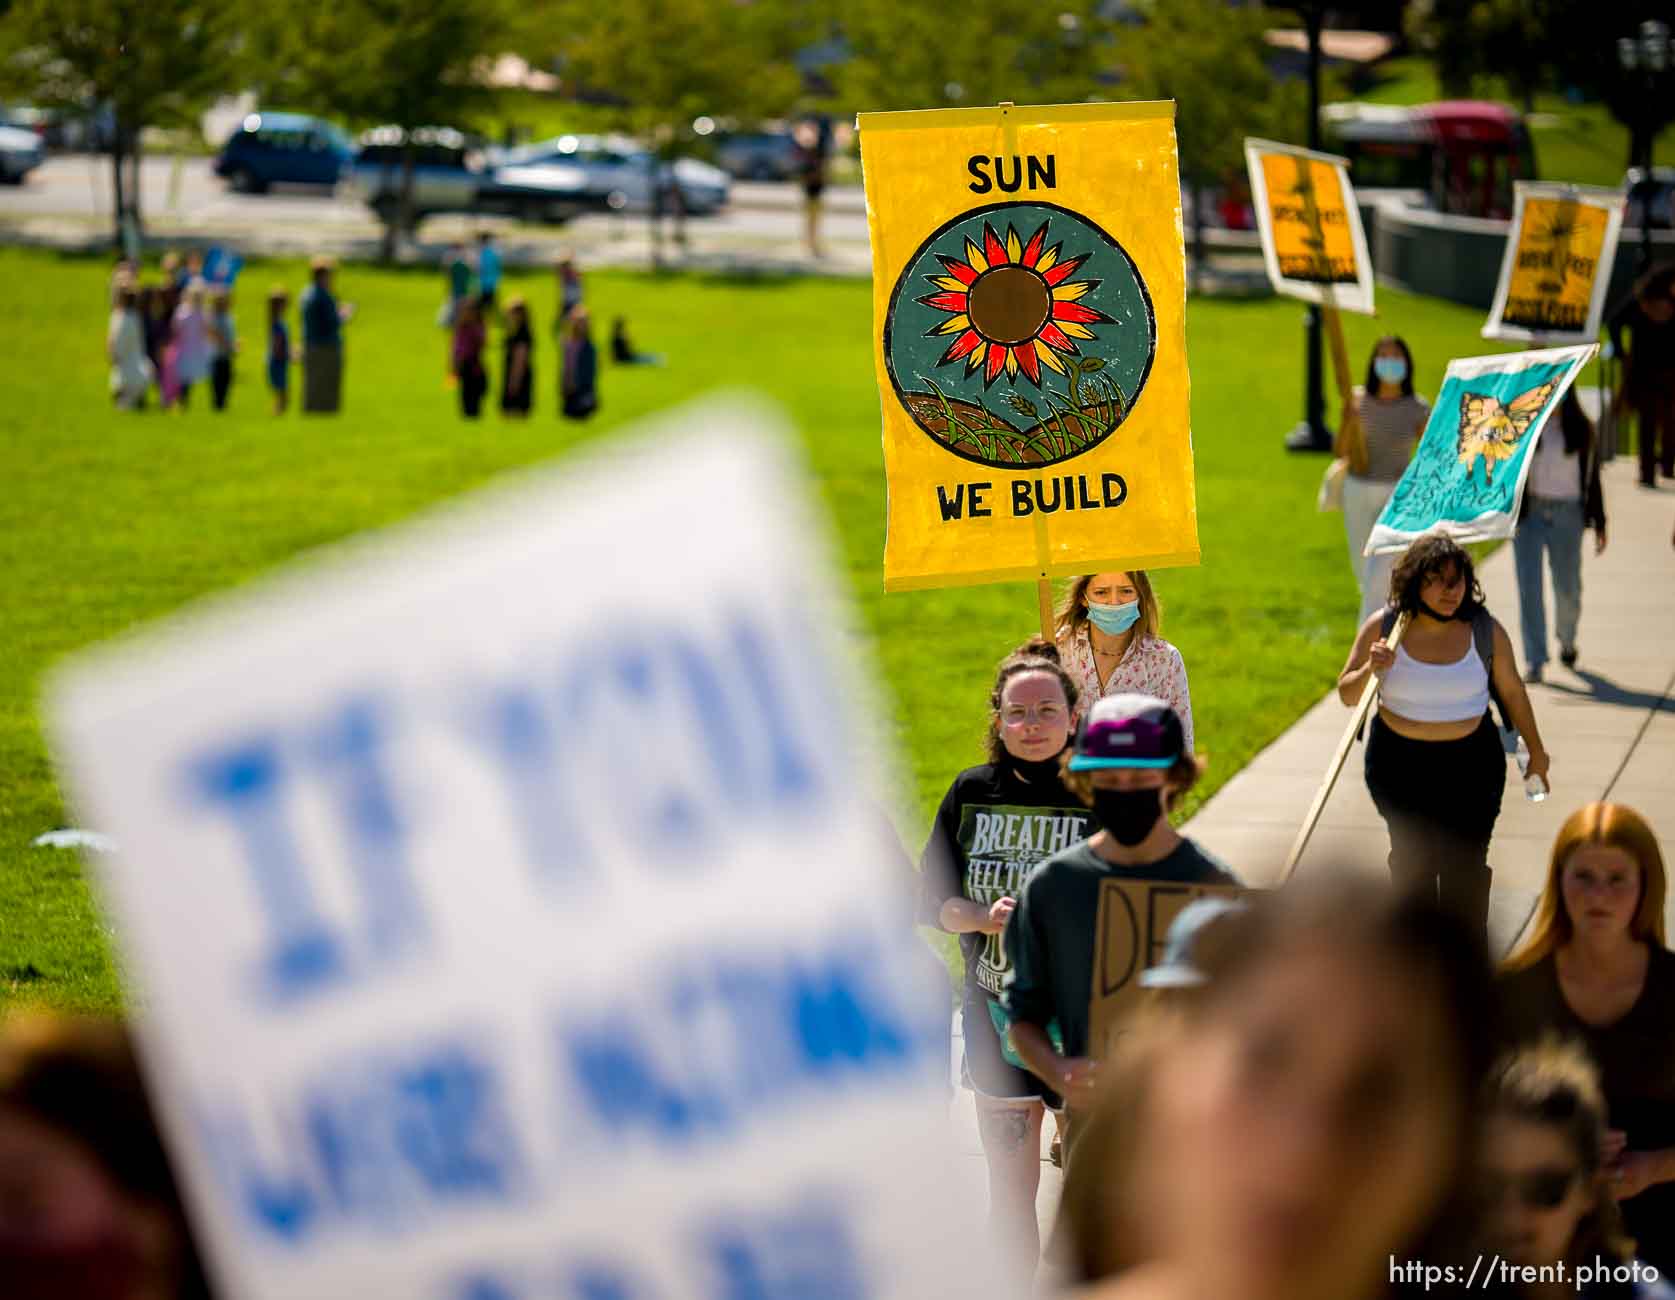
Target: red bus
1463,154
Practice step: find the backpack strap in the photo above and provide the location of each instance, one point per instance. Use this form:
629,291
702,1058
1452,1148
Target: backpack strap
1483,640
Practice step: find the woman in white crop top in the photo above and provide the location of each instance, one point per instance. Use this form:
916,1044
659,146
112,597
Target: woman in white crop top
1436,767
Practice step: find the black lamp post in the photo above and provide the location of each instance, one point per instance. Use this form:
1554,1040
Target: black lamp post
1312,434
1646,60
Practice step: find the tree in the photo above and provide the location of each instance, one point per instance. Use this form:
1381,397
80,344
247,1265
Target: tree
979,52
1209,60
1531,44
385,62
658,65
146,62
1470,40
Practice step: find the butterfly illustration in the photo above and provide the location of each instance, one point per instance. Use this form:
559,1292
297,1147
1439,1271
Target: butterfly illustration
1492,430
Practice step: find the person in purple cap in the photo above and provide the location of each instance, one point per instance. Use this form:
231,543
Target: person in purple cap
1130,765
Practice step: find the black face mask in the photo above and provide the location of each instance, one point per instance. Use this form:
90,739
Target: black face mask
1128,814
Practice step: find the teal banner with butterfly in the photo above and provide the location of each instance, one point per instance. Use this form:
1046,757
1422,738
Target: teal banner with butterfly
1467,478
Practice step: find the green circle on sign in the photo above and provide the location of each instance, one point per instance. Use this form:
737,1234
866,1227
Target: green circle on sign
1019,334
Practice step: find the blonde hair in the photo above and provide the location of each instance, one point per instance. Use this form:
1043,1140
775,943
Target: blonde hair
1553,1083
1072,613
1613,825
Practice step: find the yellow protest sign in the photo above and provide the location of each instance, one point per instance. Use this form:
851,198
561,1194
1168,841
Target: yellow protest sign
1133,922
1312,239
1029,312
1560,248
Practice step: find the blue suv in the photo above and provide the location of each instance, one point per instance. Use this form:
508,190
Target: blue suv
283,149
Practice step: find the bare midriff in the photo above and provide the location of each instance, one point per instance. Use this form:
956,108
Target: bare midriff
1456,730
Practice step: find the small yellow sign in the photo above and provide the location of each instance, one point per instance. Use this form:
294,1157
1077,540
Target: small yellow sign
1029,313
1312,239
1560,249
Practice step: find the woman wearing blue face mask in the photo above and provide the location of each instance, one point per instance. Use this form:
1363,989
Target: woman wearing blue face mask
1108,639
1390,419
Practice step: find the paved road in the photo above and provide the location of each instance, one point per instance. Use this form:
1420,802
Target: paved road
188,195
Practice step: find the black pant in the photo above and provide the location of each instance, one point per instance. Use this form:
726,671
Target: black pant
1440,799
1655,418
473,383
220,380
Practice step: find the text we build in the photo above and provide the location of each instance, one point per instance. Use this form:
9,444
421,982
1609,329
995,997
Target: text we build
1048,495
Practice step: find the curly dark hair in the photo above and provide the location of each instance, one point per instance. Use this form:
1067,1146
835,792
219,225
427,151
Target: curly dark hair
1037,655
1434,553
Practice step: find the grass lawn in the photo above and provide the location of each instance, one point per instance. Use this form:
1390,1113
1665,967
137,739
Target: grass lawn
108,518
1579,143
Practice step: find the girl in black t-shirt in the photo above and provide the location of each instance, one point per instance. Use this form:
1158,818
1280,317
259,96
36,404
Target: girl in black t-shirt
996,822
1595,967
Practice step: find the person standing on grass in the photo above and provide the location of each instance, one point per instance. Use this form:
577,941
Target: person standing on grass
1562,497
488,273
130,376
517,382
469,339
191,343
996,822
1130,765
279,348
1108,631
1435,766
569,292
1597,968
157,325
223,343
458,269
322,341
1377,435
1648,385
579,382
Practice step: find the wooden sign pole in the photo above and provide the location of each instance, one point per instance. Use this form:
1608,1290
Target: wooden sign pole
1043,588
1363,710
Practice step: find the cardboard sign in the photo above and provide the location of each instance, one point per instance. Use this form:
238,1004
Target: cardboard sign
1560,249
1312,240
1467,477
1029,306
507,918
1134,921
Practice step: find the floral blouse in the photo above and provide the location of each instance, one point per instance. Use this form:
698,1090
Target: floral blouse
1151,666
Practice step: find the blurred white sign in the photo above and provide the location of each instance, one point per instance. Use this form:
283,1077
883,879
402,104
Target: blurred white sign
510,918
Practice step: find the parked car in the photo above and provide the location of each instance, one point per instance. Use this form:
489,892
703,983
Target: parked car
758,155
1659,197
282,149
617,173
21,151
449,175
447,172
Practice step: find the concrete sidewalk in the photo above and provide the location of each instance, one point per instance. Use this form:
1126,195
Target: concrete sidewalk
1609,725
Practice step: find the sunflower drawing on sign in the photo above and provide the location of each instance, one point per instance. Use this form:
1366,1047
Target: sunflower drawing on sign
1491,429
1019,334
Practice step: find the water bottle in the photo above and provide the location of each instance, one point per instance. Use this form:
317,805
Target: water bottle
1535,787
